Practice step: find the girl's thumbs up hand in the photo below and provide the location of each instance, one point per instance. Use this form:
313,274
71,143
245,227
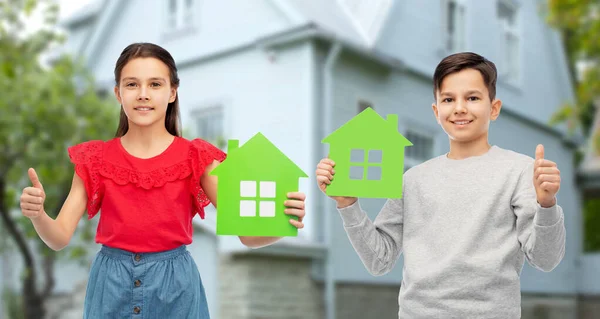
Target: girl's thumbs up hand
33,197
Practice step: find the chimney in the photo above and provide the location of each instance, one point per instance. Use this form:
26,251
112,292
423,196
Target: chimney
232,145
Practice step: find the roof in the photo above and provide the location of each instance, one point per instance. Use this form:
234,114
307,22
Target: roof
359,21
348,20
257,153
367,124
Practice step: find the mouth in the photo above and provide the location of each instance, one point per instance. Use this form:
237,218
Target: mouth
143,108
461,122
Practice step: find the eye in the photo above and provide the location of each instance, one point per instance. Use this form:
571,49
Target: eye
130,84
473,98
447,100
155,84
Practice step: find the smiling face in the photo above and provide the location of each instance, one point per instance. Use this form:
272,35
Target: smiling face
463,107
144,90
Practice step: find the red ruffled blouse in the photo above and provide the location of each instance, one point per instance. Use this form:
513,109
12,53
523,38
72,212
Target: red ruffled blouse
146,205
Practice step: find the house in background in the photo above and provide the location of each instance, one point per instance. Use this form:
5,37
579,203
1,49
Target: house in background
369,155
297,69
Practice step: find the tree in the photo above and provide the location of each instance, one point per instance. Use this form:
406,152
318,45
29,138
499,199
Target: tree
578,21
43,110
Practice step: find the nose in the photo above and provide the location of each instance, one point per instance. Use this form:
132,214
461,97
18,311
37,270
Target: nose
143,96
459,107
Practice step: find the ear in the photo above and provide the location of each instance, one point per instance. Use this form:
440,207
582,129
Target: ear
173,95
118,94
435,112
496,106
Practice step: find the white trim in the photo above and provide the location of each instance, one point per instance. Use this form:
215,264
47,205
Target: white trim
183,22
369,18
516,31
109,13
210,109
357,26
464,24
425,130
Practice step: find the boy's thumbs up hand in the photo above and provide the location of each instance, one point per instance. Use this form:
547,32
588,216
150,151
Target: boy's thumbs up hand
33,197
546,178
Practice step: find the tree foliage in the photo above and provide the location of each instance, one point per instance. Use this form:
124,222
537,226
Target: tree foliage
43,110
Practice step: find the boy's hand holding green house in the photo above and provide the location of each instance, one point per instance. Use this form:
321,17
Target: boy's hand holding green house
324,173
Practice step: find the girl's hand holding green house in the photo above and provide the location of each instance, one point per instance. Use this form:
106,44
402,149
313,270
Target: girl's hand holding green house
295,207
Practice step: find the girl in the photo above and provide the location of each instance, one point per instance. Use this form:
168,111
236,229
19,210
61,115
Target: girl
149,183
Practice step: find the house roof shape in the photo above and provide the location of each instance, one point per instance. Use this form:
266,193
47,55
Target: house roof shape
365,126
256,152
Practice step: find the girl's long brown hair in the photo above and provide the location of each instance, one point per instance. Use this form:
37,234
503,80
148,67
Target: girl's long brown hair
149,50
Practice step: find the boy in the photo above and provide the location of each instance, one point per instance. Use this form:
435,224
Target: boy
468,218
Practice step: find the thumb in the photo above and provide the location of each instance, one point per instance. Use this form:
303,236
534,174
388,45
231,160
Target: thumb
539,152
35,181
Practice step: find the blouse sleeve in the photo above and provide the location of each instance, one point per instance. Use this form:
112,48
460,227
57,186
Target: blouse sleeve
202,154
87,158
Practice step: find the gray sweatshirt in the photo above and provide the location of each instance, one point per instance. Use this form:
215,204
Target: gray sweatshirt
465,228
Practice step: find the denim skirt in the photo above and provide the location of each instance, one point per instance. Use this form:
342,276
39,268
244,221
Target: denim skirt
161,285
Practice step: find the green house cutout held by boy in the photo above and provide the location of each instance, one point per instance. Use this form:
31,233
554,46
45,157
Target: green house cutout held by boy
368,152
253,185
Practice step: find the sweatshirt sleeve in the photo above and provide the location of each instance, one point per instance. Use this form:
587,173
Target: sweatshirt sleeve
378,243
541,231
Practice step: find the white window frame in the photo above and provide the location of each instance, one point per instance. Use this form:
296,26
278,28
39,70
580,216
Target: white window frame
183,17
450,42
512,67
423,131
197,114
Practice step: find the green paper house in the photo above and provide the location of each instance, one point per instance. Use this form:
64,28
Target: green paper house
369,155
253,185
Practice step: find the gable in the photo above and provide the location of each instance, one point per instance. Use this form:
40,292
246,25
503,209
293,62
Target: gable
358,21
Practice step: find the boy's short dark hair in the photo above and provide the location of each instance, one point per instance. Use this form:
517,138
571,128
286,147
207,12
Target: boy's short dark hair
466,60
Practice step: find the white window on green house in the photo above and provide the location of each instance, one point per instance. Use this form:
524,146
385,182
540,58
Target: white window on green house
209,123
420,151
366,164
261,192
508,17
454,25
180,14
